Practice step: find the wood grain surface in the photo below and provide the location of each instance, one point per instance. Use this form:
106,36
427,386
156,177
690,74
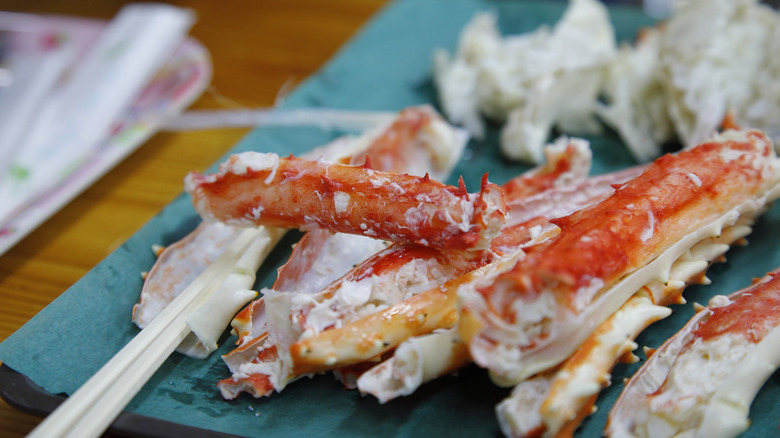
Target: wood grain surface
258,48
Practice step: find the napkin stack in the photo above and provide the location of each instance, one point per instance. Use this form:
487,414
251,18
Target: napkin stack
67,88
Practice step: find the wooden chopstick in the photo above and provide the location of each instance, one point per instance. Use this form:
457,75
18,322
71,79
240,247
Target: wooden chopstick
92,408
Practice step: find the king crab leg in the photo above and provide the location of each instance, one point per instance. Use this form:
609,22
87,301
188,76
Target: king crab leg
264,189
702,380
419,141
532,318
555,402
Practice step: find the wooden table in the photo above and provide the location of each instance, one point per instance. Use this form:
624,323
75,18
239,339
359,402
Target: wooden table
258,48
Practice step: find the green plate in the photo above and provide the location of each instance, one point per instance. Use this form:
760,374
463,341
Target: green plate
385,67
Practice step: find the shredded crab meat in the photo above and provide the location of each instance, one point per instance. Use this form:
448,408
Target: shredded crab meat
636,103
708,66
534,81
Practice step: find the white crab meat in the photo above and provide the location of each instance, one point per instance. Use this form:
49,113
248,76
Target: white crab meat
635,99
715,57
534,81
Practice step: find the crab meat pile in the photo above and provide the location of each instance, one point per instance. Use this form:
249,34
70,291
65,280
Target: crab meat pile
711,61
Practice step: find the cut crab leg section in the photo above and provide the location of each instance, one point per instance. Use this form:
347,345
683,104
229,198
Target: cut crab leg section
417,360
317,260
560,201
554,403
417,141
535,316
179,264
391,276
379,332
702,381
568,162
264,189
209,322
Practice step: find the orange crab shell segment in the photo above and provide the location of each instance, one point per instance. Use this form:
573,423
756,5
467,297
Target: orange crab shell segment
394,149
568,162
753,314
380,332
417,315
264,189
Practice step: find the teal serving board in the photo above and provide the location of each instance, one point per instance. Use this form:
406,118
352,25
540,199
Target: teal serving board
385,67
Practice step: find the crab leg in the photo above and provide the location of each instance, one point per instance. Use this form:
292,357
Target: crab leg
177,266
180,263
701,381
560,201
535,316
382,331
555,402
568,162
418,141
264,189
417,360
